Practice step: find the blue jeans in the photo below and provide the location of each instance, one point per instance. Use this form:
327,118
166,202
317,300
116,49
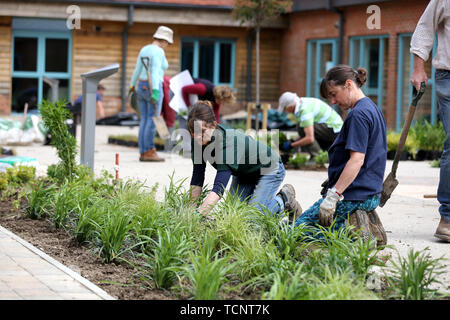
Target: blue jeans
263,193
147,127
443,94
343,209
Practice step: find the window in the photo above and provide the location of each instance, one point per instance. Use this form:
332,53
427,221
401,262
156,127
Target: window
427,106
370,52
322,56
40,58
211,59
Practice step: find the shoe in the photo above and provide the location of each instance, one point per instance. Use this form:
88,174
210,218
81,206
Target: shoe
443,230
377,229
287,193
151,155
360,220
369,226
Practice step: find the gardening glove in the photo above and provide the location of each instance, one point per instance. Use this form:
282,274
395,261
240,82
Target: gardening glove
328,207
287,146
131,89
155,96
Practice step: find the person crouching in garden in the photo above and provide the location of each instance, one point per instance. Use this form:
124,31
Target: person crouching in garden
318,124
256,169
357,158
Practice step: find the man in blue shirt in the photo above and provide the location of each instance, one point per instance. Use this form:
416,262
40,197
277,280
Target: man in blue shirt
101,111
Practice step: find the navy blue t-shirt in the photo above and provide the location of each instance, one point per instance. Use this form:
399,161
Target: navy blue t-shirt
364,130
78,100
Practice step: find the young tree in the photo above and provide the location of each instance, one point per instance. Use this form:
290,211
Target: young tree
257,12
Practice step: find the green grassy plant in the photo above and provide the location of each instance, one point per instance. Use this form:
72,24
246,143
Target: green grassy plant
87,219
208,271
64,204
339,286
39,197
289,285
113,230
168,253
411,277
176,197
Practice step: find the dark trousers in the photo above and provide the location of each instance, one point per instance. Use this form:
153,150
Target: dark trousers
323,138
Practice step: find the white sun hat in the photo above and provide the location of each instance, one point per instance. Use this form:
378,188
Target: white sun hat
164,33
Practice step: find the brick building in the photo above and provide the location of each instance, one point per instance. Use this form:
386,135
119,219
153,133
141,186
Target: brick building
319,30
296,48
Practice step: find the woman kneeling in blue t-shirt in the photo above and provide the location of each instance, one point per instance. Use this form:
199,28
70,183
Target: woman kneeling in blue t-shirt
256,169
357,158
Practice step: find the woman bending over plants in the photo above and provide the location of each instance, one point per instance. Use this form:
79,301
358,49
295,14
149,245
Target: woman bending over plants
357,158
256,169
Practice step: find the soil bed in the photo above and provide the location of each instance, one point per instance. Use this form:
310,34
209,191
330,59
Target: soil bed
118,280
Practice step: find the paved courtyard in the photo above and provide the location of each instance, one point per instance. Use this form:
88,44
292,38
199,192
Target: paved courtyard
409,219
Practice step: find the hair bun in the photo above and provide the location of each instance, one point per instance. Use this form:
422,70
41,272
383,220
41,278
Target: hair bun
361,78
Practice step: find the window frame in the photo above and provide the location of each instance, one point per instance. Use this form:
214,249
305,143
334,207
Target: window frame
318,43
217,42
398,118
364,64
40,72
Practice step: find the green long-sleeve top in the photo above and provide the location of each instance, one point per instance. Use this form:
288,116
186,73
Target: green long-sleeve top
158,64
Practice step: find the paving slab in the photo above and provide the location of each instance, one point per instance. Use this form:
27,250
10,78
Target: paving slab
27,273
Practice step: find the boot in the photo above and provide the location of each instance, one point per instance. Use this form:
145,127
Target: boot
287,193
369,225
443,230
151,155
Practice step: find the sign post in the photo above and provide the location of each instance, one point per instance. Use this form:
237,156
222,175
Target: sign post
88,111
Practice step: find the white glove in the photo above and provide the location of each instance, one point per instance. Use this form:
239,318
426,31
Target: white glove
328,207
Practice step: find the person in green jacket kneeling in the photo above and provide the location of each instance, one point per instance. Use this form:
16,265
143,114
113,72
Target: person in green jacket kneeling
256,170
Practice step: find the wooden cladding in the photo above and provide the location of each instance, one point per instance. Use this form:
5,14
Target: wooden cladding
99,44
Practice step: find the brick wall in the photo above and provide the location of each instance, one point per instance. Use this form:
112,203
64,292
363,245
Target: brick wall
396,17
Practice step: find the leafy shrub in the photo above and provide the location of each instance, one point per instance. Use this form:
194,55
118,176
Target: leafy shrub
393,139
54,116
429,137
20,174
3,180
436,163
321,158
298,160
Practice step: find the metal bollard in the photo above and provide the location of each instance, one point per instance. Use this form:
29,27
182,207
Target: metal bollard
88,111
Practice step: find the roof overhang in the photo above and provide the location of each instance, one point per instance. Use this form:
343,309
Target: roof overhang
309,5
146,12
